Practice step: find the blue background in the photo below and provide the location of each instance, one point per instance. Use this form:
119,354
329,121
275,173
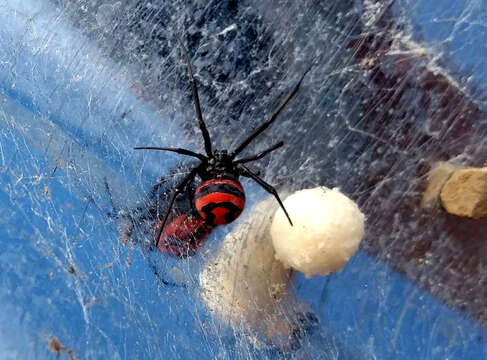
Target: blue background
69,117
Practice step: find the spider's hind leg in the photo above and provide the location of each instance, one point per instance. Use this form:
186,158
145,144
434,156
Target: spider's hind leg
245,171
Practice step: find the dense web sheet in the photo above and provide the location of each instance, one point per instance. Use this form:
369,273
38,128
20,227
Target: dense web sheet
396,86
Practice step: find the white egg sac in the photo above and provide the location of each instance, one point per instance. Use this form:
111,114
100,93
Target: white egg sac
244,281
327,231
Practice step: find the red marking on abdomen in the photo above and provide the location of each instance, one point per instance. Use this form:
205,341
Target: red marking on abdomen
219,213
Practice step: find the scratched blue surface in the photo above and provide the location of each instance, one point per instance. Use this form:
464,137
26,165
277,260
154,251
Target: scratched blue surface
457,28
51,220
408,323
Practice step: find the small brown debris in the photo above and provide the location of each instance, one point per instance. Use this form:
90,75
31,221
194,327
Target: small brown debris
128,260
56,347
437,177
47,193
465,193
125,228
124,239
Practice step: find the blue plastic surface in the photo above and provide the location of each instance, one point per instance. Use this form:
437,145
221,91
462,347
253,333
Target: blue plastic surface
69,117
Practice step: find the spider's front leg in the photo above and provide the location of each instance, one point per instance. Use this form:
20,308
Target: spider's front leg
179,189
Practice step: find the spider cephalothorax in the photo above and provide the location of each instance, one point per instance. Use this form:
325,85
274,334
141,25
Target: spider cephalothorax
219,163
220,198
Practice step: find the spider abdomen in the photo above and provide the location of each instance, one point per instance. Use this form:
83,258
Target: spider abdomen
220,201
183,235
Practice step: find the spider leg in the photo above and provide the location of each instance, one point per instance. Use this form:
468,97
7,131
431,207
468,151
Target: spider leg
154,197
114,212
176,150
260,155
179,189
273,117
196,98
245,171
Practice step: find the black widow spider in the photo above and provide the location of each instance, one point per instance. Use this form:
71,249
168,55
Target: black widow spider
220,198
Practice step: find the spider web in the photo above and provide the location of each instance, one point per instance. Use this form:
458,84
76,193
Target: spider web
396,86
